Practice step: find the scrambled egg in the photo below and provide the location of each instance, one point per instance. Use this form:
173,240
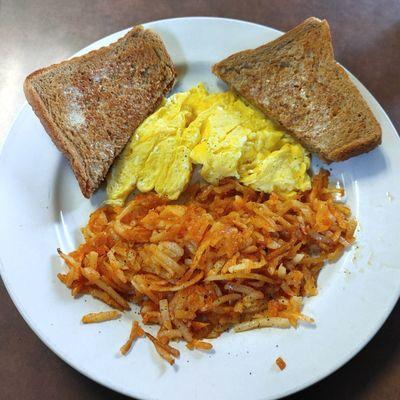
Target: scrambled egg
219,131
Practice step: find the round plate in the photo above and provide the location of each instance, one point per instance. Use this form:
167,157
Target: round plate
42,209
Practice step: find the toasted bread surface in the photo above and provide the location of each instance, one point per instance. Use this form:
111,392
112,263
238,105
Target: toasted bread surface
296,81
91,105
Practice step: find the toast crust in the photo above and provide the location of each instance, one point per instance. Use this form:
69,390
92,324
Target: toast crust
56,136
296,82
81,147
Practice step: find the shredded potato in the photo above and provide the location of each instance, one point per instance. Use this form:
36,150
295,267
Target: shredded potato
101,316
280,363
136,332
228,257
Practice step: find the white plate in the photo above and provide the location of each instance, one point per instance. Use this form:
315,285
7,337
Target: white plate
42,209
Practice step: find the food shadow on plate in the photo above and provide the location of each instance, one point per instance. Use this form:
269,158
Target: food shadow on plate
221,86
99,196
175,367
189,76
363,166
67,196
191,73
174,49
70,210
56,266
65,188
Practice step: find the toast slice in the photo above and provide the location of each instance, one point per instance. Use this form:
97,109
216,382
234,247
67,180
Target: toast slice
91,105
296,81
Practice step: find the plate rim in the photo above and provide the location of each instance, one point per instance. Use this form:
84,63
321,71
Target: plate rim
45,339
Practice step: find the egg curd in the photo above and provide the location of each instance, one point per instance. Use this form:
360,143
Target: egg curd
218,131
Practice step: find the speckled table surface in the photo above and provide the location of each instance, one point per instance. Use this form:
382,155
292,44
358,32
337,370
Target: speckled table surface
366,36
